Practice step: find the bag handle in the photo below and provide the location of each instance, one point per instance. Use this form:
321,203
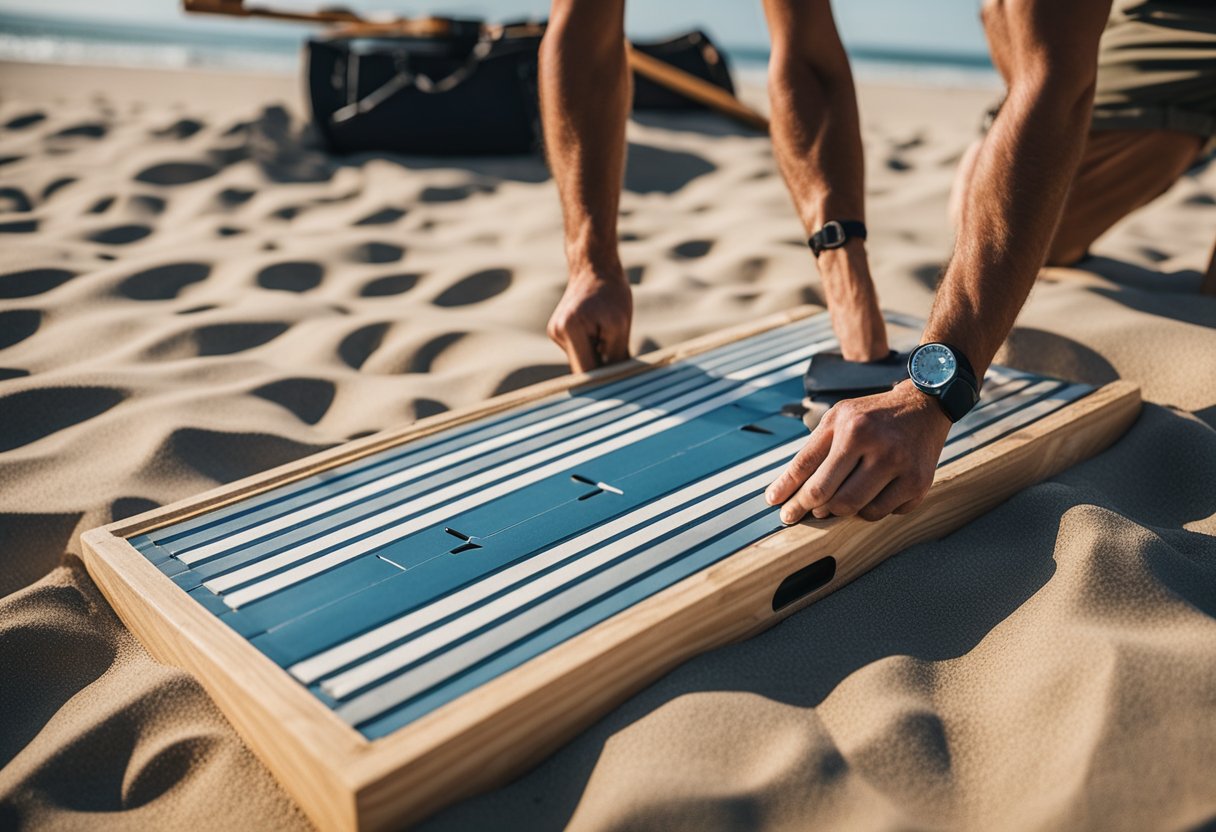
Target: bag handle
405,78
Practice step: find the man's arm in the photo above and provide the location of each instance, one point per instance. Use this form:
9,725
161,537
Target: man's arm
817,142
877,454
585,94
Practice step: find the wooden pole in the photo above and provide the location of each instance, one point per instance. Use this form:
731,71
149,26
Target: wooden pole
237,8
677,80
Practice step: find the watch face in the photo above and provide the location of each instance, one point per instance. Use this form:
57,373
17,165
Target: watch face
933,365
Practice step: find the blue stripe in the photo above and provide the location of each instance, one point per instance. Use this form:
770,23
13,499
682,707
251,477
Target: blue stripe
680,437
442,573
266,505
333,607
760,526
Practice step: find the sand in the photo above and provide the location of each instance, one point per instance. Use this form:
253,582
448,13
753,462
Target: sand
190,292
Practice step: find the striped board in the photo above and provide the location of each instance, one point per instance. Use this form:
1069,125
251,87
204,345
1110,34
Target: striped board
413,617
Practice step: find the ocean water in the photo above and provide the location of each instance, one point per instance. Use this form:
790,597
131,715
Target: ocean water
933,41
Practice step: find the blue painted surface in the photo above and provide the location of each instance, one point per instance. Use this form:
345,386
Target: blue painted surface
763,523
446,573
378,587
319,486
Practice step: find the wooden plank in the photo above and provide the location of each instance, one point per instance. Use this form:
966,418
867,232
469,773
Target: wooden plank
495,731
306,746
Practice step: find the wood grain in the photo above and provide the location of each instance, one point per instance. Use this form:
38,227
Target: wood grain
498,730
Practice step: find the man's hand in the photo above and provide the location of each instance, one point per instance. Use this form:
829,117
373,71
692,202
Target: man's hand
869,456
591,322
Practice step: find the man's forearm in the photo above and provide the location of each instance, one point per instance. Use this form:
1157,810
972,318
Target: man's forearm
1018,189
1023,172
585,93
818,146
817,142
817,139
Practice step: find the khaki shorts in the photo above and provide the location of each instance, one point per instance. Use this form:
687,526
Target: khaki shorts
1157,67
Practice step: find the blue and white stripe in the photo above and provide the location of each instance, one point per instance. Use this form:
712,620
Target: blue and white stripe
353,581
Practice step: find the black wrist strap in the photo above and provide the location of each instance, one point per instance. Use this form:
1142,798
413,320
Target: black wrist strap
961,394
835,234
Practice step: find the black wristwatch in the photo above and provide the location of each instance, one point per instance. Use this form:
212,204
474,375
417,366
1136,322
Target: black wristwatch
835,234
943,372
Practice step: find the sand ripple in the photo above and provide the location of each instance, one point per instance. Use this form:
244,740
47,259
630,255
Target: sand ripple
192,293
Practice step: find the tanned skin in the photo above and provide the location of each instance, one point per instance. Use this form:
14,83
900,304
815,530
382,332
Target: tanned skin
874,455
817,140
585,93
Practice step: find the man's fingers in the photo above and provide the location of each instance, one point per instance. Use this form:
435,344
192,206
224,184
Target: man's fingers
859,489
614,344
896,494
910,505
580,350
800,467
821,486
817,491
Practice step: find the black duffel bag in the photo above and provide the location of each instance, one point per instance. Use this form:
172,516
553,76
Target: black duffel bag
468,91
463,93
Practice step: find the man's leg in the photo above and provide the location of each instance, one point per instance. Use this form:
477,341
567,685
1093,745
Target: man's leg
585,94
1121,171
1208,286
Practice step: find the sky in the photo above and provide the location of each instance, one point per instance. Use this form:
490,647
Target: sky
934,26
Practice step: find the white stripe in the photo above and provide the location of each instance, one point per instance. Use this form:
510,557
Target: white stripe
230,542
997,410
453,661
766,342
386,536
1014,421
313,668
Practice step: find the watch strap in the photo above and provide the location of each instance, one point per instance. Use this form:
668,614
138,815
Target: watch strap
964,366
963,392
835,233
958,398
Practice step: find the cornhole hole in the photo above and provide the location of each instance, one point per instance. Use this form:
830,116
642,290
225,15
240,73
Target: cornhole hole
411,618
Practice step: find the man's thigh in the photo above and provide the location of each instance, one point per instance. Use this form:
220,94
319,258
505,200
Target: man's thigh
1120,171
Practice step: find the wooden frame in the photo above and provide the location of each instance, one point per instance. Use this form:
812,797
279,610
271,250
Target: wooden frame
493,733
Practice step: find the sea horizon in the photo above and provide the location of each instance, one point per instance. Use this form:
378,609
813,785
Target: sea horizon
207,43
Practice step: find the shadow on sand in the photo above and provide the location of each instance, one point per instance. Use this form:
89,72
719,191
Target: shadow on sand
289,152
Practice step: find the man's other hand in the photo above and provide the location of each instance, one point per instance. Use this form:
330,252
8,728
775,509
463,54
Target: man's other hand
591,322
869,456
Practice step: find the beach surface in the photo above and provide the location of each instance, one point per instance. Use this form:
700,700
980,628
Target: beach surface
191,292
